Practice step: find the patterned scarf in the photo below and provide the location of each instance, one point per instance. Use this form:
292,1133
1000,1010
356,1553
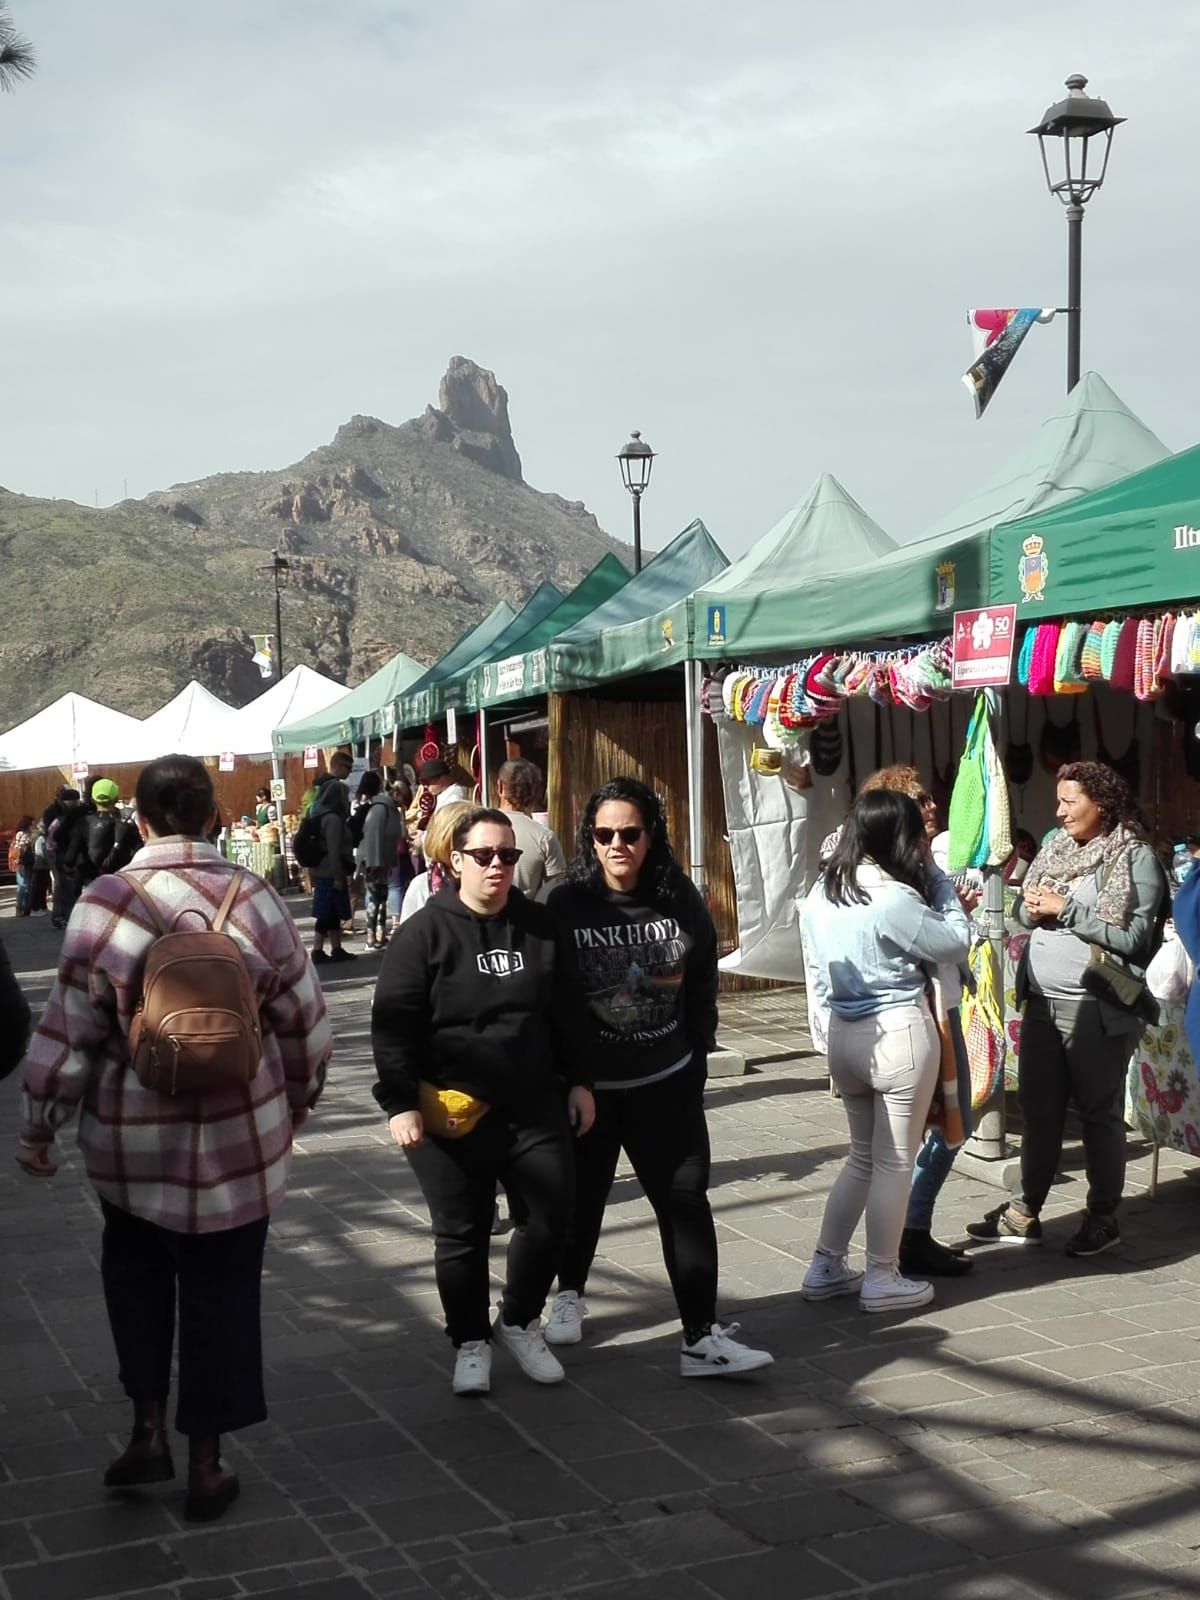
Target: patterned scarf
1061,863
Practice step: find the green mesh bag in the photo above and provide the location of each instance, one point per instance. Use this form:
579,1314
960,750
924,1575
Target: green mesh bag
968,820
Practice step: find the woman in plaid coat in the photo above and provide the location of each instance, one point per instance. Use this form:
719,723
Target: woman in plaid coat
186,1183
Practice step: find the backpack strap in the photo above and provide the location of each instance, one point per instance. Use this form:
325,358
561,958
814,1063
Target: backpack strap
155,915
231,894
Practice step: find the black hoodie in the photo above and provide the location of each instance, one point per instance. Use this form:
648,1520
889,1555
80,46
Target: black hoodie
465,1002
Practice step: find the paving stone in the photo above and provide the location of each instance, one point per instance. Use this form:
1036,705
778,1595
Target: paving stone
679,1541
127,1519
729,1451
799,1518
245,1547
529,1485
889,1552
103,1573
404,1521
551,1566
772,1575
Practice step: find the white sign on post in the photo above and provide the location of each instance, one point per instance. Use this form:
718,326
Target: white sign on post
278,788
312,758
451,725
226,761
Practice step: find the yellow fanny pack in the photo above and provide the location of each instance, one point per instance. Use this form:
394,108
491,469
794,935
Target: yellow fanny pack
449,1113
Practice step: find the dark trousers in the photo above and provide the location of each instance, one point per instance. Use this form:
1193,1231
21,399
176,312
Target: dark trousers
217,1278
530,1154
662,1129
1067,1055
377,911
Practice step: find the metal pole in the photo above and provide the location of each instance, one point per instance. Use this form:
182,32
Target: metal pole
637,531
988,1139
695,773
481,735
1074,290
278,614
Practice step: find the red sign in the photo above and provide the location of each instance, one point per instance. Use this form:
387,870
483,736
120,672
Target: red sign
226,761
983,647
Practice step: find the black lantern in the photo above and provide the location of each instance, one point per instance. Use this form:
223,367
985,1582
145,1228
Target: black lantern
1083,127
636,460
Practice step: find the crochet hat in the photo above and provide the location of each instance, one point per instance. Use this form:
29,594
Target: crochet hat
1068,679
826,748
1125,656
819,686
1108,649
1041,662
1025,657
1089,660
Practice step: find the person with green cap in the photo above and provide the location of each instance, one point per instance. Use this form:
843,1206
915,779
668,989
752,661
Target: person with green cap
104,842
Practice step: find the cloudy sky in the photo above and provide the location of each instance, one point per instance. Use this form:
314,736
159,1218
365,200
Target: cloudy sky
751,231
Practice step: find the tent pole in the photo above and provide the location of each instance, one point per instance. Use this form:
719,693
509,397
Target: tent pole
695,773
484,776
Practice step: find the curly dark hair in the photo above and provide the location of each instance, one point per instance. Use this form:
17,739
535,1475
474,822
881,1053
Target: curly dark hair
886,826
661,876
1106,789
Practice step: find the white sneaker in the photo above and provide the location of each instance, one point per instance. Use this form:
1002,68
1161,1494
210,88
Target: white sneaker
527,1347
473,1367
719,1355
564,1325
885,1289
829,1275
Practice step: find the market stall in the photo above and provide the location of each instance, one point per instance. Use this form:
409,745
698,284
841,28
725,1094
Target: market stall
352,717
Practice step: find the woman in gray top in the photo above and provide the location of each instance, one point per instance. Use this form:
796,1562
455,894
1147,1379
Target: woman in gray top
1095,899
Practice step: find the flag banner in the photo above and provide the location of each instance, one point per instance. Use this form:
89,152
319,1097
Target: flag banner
996,335
264,653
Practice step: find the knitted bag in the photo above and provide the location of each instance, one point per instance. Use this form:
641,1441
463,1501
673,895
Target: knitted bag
1041,663
968,815
983,1023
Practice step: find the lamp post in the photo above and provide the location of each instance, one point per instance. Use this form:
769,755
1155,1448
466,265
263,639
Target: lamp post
1074,123
278,564
636,460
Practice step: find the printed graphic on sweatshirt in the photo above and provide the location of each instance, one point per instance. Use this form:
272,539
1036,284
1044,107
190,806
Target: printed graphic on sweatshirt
632,973
500,963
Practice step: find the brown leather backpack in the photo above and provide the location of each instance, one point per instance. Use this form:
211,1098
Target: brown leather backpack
196,1027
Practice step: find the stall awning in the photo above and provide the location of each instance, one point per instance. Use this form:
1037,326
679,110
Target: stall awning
644,625
1133,543
521,671
353,716
456,690
302,693
1092,439
751,606
412,708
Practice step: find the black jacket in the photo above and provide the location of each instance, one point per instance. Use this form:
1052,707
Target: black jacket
467,1002
14,1018
639,980
102,842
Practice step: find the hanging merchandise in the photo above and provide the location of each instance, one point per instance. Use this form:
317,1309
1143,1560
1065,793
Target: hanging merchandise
999,818
430,749
983,1023
1125,657
826,748
1068,671
968,818
1041,661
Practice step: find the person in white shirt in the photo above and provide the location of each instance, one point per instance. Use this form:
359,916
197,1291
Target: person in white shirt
520,786
438,777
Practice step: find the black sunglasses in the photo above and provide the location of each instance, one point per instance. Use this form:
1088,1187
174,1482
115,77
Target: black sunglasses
483,855
626,835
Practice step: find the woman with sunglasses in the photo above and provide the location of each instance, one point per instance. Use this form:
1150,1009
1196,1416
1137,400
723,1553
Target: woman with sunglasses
463,1033
639,953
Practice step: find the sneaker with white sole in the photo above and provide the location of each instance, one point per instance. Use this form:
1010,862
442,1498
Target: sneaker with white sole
527,1347
564,1325
886,1289
829,1275
473,1367
719,1355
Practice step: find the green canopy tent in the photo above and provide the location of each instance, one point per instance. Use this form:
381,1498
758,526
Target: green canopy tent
350,717
521,673
1133,543
1092,439
454,689
635,631
414,707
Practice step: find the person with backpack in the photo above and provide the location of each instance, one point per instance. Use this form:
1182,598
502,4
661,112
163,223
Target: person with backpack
60,820
20,862
103,841
328,824
187,1180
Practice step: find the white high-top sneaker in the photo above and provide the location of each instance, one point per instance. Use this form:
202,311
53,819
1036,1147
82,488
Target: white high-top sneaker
885,1289
564,1325
829,1275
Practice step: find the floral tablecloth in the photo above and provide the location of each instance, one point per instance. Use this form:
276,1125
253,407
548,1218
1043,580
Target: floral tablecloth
1162,1101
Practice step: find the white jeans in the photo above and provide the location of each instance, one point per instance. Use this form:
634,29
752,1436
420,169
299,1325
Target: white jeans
885,1068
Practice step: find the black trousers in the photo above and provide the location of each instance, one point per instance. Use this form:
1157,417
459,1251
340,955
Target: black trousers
1067,1055
530,1154
662,1129
217,1278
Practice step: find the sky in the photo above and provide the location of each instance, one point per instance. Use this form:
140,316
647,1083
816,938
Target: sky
751,232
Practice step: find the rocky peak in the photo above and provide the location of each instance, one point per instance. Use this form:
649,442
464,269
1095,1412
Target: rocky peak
472,416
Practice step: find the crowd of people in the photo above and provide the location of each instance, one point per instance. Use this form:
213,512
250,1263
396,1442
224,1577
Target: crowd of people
534,1019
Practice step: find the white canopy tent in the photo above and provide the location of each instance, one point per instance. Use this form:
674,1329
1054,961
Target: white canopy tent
194,723
301,694
71,732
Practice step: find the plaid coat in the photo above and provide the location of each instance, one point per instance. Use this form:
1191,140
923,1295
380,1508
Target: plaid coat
191,1164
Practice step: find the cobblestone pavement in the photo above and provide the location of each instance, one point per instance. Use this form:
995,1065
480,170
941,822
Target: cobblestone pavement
1034,1432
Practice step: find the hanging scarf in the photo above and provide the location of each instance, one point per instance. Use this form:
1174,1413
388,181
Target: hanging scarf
1061,863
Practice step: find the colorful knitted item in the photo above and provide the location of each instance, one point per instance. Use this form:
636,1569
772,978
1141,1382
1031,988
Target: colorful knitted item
1108,649
1143,666
756,703
1090,661
1041,662
1125,657
1066,657
1162,648
1194,645
1181,643
1025,657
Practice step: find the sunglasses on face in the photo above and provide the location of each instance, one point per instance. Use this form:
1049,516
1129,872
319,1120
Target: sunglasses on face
626,835
483,856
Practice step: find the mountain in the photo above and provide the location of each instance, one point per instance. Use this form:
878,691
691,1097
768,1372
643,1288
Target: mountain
397,538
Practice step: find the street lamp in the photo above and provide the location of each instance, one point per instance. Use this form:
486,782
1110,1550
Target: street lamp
278,564
1075,122
636,460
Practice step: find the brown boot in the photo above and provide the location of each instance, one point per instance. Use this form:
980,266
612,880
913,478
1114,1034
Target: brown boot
212,1488
147,1456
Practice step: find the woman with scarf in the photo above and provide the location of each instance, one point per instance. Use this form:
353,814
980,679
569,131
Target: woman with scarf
1095,899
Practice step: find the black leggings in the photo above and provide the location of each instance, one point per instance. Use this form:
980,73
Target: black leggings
218,1280
530,1154
662,1129
377,912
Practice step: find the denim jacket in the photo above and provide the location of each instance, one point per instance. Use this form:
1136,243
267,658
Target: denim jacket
868,957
